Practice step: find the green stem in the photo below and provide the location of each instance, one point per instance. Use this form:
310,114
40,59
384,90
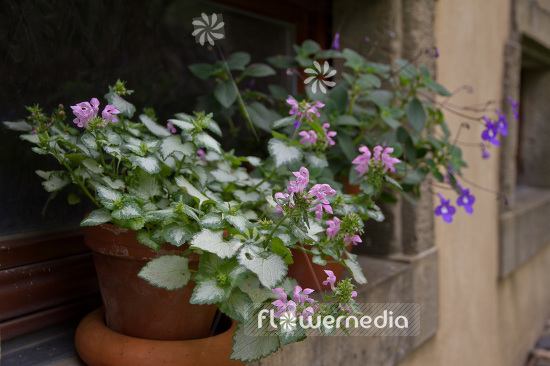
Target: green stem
274,229
75,177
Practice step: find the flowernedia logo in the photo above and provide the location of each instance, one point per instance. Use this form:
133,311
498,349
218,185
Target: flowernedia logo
387,319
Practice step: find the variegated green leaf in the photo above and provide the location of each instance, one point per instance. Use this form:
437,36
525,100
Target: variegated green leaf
169,272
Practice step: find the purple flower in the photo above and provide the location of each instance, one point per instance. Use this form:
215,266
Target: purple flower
301,296
170,127
333,227
367,39
502,124
491,132
34,132
354,294
297,123
301,182
514,107
466,199
352,239
330,279
321,191
484,153
336,43
308,312
284,306
282,295
445,209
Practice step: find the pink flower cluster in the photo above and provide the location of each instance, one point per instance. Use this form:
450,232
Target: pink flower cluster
300,298
331,279
381,158
85,112
297,188
334,228
308,109
310,137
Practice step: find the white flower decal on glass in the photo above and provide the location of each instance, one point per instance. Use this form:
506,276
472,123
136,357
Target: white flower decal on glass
319,76
208,28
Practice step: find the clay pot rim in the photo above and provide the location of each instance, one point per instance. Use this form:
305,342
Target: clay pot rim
94,339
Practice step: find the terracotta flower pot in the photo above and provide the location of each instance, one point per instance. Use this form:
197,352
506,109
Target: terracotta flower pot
133,307
309,274
98,345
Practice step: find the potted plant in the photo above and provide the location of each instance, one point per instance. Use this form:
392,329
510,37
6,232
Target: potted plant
208,229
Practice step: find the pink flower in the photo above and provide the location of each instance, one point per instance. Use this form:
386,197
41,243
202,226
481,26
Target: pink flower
301,296
309,137
281,293
377,151
170,127
200,152
308,312
109,113
333,227
279,196
329,134
330,279
85,113
320,207
312,110
354,294
321,192
301,182
295,110
352,239
388,161
362,161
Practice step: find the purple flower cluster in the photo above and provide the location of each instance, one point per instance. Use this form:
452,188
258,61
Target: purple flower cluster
307,110
446,210
493,128
85,113
381,159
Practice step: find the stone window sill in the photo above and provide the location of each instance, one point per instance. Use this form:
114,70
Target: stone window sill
524,230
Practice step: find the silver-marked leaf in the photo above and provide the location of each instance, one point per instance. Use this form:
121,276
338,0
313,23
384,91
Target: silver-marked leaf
238,306
108,197
185,126
194,192
204,140
282,153
212,241
212,220
249,347
114,184
245,197
143,236
56,182
270,270
356,271
89,141
30,138
254,161
18,126
283,122
92,165
126,108
169,272
172,144
208,291
223,176
177,234
128,210
144,185
214,127
152,126
97,217
317,162
149,163
239,222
